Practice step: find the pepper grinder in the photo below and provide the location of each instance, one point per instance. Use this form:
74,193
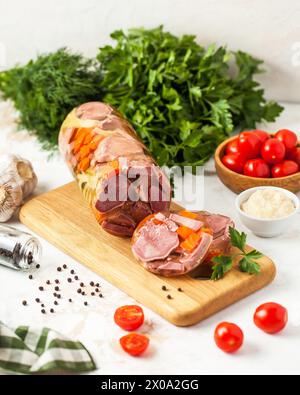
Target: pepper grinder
18,250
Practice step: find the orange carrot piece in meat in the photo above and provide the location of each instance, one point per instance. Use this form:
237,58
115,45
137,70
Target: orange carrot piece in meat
76,147
87,139
191,242
184,231
188,214
84,152
84,164
96,140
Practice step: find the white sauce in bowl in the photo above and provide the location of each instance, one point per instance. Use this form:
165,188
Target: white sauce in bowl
268,203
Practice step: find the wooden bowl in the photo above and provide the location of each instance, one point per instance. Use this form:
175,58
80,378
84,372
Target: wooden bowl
239,183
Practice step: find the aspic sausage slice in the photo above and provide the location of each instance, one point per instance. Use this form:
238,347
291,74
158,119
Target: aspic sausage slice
161,243
116,174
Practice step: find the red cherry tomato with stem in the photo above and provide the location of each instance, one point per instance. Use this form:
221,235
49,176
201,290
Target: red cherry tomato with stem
249,145
271,317
288,138
284,169
257,168
228,337
129,317
273,151
134,343
234,162
262,135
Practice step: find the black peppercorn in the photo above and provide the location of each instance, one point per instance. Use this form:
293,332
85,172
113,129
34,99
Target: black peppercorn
24,303
48,282
92,283
51,310
56,288
72,271
79,290
55,302
82,284
100,296
69,280
56,281
37,300
169,297
180,290
41,288
85,303
65,266
93,293
38,266
70,300
58,269
164,288
97,285
76,278
42,305
43,311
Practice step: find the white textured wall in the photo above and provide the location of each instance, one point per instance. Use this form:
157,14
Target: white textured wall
269,29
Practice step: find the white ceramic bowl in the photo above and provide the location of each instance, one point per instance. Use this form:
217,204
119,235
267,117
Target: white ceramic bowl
266,227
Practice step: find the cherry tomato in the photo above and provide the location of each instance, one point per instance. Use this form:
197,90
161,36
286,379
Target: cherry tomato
285,168
273,151
288,138
232,147
249,145
134,343
271,317
228,337
129,317
262,135
257,168
234,162
294,154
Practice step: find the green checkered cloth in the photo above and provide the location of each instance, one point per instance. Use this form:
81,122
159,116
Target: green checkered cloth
27,351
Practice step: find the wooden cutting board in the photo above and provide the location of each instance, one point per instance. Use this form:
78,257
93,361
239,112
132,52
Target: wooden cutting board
62,217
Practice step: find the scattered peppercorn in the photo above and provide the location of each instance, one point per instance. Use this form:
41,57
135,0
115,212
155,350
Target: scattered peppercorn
85,303
41,288
56,281
56,288
92,283
93,293
30,276
58,296
54,294
65,266
69,280
58,269
38,266
51,310
82,284
97,285
100,296
169,297
97,290
70,300
43,311
24,303
83,293
76,278
180,290
37,300
42,305
79,290
164,288
56,302
72,271
48,282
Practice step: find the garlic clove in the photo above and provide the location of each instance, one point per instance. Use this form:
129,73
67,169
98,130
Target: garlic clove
11,196
22,170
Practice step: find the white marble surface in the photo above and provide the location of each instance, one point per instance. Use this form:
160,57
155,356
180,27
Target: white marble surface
173,350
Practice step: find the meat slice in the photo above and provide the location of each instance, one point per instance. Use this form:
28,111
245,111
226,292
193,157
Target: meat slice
155,241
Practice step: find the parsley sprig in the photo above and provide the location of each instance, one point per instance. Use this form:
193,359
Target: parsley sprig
247,262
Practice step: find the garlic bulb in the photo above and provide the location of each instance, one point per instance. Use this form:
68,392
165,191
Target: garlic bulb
22,171
11,196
